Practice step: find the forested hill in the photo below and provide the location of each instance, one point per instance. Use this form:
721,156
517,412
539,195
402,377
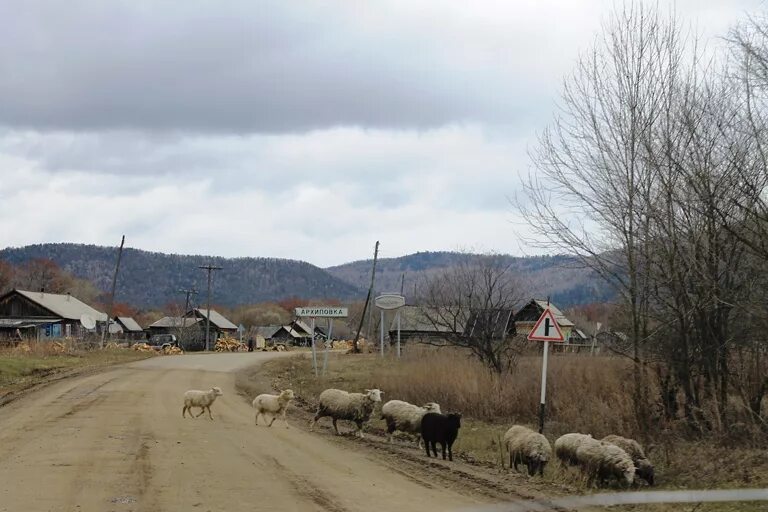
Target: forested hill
557,276
149,279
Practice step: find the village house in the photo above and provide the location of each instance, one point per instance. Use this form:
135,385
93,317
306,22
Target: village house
26,314
529,314
297,333
172,324
219,324
130,328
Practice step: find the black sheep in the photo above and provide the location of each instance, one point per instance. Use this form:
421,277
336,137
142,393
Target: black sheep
440,428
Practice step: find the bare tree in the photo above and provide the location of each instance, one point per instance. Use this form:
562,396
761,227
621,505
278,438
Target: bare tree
588,194
471,305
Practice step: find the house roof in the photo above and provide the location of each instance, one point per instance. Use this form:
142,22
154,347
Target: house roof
176,321
497,322
267,331
541,305
64,306
416,318
129,324
302,326
217,319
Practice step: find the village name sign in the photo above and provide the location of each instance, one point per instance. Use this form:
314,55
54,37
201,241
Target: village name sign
322,312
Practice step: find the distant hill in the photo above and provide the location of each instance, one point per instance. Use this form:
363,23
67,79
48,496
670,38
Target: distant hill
150,279
557,276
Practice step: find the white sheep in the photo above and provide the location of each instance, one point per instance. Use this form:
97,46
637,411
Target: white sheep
405,417
202,399
528,447
566,446
601,461
341,405
273,405
643,467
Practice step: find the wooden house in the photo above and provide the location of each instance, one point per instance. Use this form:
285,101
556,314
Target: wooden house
130,328
528,315
26,314
219,324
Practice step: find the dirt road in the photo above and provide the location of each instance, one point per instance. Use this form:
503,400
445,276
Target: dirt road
116,441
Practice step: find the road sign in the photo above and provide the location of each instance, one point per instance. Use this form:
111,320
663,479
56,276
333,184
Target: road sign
323,312
389,301
546,328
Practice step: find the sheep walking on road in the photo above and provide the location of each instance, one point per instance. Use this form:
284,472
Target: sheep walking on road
341,405
527,447
274,405
405,417
202,399
440,428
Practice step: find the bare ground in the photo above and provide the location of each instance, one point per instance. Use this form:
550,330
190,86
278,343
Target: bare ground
115,441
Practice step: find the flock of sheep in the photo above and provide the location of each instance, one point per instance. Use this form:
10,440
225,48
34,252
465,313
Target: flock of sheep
613,457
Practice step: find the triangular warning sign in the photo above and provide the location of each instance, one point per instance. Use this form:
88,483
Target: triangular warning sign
546,328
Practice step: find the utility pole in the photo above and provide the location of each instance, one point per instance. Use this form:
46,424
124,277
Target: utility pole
111,305
188,292
210,268
355,347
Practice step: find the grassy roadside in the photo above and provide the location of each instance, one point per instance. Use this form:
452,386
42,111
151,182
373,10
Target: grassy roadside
680,464
20,370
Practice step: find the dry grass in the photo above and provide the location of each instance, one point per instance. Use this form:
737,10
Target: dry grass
31,363
585,394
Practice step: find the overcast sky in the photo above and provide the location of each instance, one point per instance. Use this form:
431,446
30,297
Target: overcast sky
304,130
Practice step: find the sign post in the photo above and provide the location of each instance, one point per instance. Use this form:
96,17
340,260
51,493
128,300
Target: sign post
329,312
546,330
314,351
384,302
327,344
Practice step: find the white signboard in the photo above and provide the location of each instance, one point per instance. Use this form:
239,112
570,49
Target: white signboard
389,301
323,312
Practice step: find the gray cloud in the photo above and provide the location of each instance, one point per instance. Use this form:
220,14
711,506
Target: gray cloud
197,128
268,66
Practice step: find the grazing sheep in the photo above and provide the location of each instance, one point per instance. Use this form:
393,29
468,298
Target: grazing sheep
643,466
202,399
272,404
341,405
602,461
566,446
528,447
405,417
440,428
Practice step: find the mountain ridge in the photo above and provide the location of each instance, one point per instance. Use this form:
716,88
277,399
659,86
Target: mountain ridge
151,279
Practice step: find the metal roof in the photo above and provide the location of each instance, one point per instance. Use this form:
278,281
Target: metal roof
217,319
64,306
175,321
129,323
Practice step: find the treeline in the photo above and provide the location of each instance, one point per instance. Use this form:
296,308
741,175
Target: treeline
152,280
659,151
41,274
